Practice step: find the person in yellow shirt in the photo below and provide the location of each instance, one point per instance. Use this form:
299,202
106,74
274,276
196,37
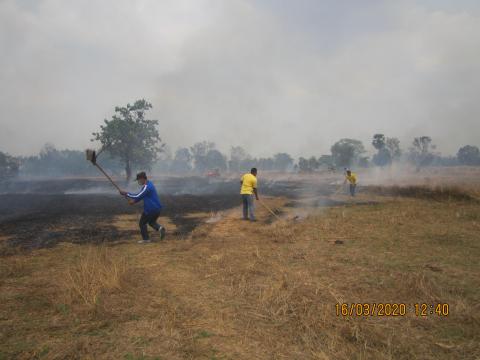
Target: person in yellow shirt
352,179
248,190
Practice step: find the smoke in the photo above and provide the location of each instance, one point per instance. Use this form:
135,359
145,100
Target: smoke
269,75
92,191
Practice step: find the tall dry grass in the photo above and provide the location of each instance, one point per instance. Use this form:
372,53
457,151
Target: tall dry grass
95,271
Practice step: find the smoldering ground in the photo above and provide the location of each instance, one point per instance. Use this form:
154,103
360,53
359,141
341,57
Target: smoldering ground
36,214
43,213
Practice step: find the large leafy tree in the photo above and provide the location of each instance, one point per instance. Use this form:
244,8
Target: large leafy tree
325,160
130,137
378,141
388,149
346,152
308,165
216,160
382,157
182,162
393,147
239,158
421,152
264,163
282,161
469,155
199,153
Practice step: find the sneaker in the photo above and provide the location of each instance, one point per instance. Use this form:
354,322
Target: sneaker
162,233
144,241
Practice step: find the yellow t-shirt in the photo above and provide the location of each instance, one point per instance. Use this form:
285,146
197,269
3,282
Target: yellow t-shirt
352,178
249,182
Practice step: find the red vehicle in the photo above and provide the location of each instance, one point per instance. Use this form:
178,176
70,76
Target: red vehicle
213,173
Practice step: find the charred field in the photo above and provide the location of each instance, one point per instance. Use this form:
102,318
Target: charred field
39,214
44,213
41,220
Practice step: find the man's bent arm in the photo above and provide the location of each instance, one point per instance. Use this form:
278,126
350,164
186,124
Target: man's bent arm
255,192
140,195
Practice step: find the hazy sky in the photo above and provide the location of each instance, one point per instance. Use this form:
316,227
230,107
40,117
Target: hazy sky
269,75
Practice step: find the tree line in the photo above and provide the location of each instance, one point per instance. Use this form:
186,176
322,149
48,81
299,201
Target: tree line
132,142
421,153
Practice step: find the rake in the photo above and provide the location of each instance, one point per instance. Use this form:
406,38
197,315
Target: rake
92,157
339,187
270,210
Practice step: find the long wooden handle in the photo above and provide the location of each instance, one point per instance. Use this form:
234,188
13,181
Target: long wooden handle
108,177
270,210
339,187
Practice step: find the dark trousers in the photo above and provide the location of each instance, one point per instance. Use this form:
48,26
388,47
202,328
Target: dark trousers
352,189
150,219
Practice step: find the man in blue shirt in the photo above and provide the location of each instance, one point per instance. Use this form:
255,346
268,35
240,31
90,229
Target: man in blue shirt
151,206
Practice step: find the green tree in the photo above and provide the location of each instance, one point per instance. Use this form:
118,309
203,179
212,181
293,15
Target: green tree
325,160
164,161
421,152
347,152
8,166
282,161
378,141
264,164
313,163
216,160
393,147
469,155
199,152
53,162
303,165
130,137
182,161
388,149
308,165
238,158
382,157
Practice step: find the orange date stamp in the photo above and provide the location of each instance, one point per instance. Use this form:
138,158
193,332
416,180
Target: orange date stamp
390,309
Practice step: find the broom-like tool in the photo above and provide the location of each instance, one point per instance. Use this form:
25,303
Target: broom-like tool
92,157
270,210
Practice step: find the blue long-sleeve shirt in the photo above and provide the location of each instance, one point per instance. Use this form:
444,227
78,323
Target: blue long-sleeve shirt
148,193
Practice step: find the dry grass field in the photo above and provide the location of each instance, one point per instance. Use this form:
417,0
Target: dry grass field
267,290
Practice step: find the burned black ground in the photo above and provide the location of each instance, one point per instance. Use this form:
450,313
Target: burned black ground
40,220
42,213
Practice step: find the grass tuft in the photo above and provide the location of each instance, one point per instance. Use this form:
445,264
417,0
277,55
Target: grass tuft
95,271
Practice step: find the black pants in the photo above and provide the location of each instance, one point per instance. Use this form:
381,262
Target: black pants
150,219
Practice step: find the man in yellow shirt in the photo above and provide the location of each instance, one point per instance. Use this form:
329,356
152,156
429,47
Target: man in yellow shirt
352,179
248,190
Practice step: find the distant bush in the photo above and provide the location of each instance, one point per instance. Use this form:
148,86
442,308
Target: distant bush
469,155
8,166
53,162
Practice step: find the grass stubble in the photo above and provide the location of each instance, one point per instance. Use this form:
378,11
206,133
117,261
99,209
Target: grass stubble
266,290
